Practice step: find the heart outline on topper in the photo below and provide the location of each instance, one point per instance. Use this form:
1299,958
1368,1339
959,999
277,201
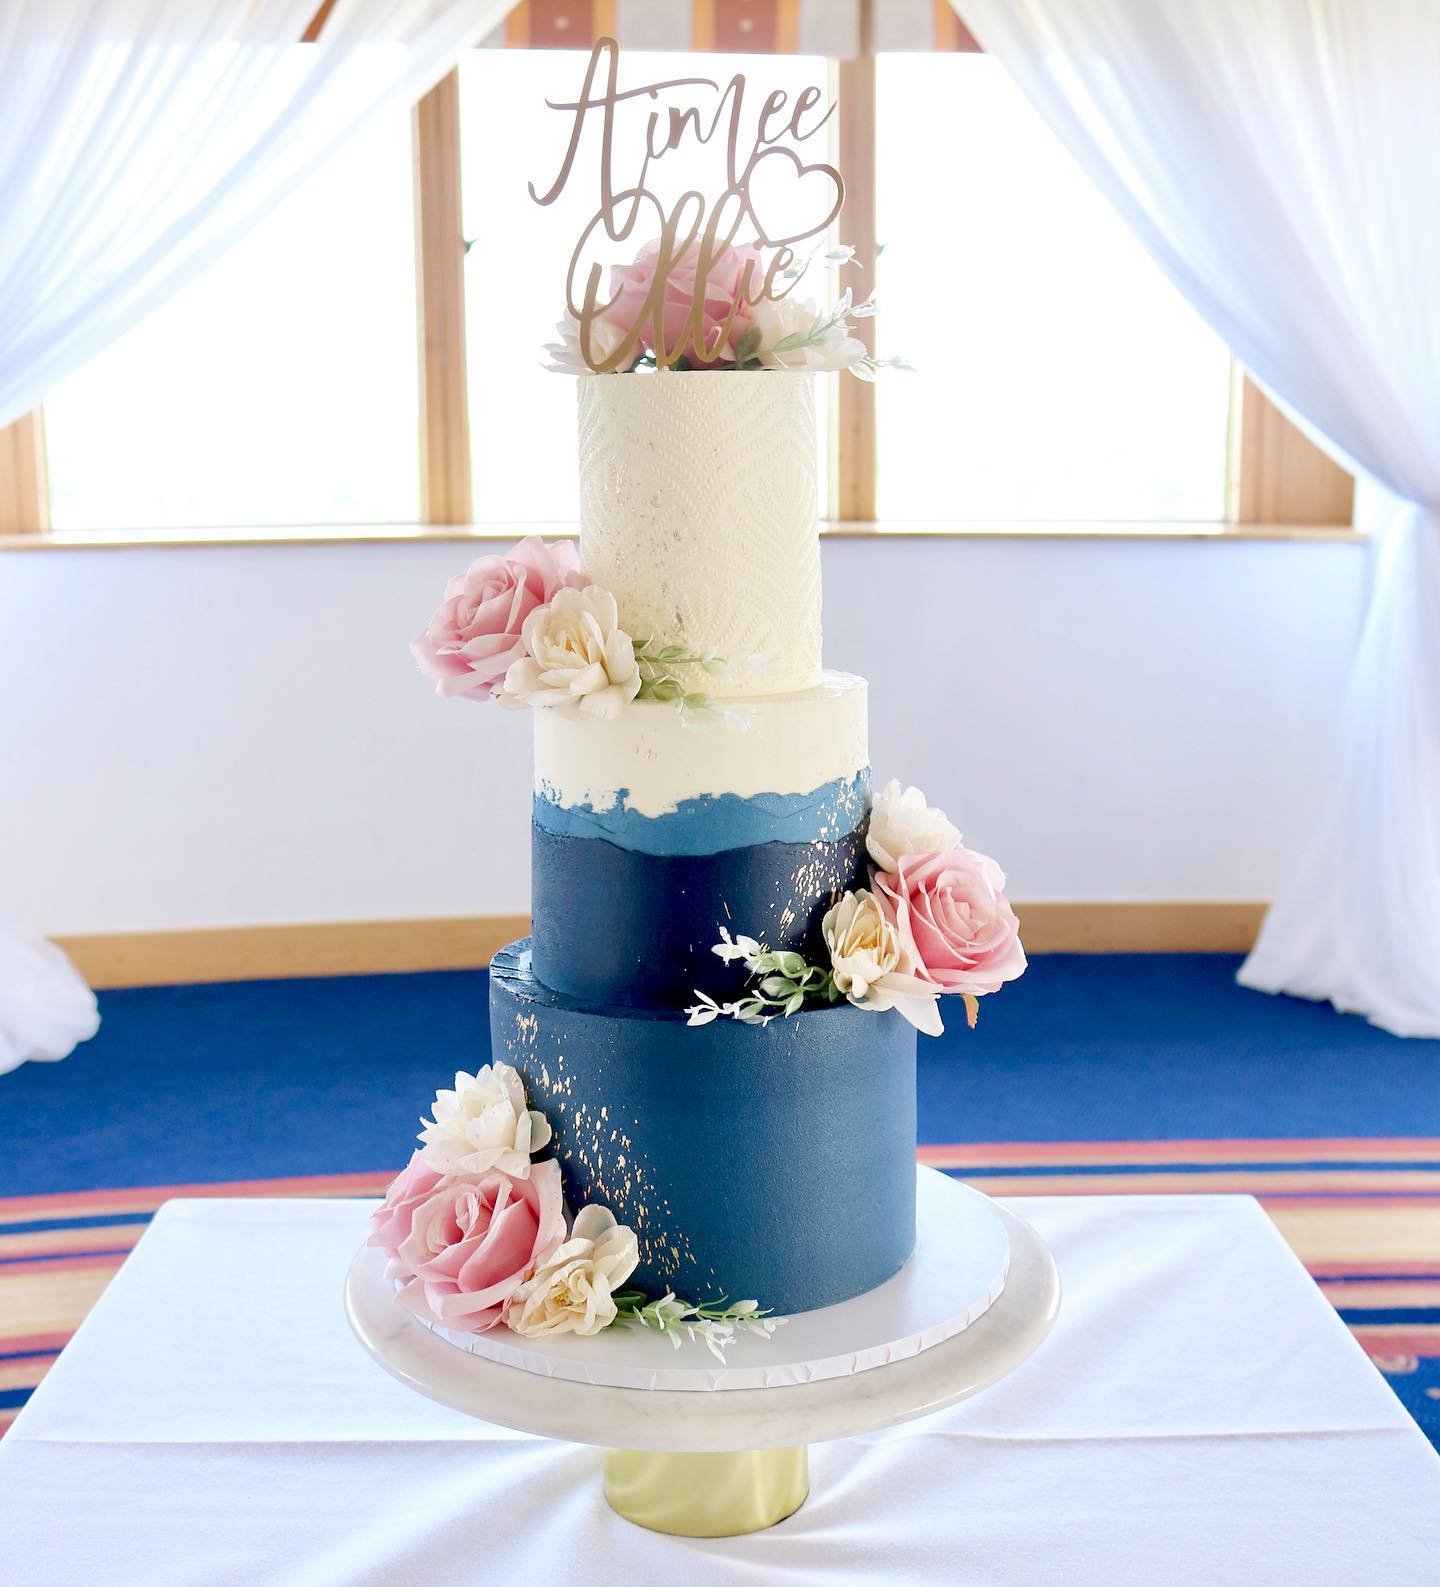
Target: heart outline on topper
708,233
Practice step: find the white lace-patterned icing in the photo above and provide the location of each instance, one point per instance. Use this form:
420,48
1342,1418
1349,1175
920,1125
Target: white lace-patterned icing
697,511
787,744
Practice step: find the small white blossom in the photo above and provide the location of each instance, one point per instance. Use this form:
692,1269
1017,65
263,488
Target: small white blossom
716,1327
704,1011
732,948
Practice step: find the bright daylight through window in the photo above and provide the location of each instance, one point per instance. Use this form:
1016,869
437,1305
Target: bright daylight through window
277,388
1057,375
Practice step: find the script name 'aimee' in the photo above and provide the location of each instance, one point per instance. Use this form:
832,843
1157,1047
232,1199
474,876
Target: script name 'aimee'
689,223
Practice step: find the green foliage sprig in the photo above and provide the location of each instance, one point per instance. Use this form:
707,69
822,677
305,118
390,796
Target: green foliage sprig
658,679
715,1326
786,984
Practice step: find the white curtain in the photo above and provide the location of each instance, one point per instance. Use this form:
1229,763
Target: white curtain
139,139
1281,162
45,1008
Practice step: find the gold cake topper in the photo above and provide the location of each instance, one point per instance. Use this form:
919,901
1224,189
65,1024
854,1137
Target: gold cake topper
690,223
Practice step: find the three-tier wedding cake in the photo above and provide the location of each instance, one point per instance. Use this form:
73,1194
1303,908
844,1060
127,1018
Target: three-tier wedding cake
699,1108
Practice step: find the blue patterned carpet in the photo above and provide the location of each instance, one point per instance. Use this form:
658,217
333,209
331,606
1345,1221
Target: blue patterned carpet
1093,1074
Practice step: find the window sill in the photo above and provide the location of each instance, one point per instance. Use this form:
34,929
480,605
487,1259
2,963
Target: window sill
417,534
1083,529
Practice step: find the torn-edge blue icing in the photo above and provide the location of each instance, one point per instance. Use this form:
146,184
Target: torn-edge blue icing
712,823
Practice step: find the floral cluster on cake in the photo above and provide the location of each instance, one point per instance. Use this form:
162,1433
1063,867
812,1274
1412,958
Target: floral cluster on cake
527,627
478,1235
933,922
723,322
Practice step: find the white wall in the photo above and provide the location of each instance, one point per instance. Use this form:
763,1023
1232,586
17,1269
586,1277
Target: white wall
206,736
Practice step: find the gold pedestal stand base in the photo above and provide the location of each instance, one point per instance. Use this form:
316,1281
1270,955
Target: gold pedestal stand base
720,1495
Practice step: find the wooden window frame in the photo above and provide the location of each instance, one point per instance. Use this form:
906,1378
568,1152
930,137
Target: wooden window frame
1278,481
440,249
853,413
1275,475
24,489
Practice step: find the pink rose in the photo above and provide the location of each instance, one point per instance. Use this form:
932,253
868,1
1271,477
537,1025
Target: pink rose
390,1224
473,1241
951,909
475,636
630,288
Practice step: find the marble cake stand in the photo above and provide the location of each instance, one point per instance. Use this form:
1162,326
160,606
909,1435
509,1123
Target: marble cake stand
727,1461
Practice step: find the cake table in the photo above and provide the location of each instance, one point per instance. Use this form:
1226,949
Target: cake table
1198,1415
716,1461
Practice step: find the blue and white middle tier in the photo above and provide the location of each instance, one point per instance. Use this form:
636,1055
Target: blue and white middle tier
654,831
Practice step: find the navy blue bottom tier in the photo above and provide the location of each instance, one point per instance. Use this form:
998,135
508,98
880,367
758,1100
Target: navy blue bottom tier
772,1163
623,927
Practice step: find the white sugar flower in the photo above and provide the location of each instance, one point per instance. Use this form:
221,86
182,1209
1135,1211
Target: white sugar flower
794,334
482,1124
577,655
902,823
731,948
572,1289
872,964
565,355
705,1010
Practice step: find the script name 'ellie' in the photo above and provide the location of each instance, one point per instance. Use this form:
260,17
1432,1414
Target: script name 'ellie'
691,222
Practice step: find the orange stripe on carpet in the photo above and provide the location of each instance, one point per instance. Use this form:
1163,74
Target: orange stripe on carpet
1381,1294
1304,1200
80,1203
24,1374
110,1237
999,1154
43,1300
38,1267
1386,1339
1419,1183
1381,1268
52,1343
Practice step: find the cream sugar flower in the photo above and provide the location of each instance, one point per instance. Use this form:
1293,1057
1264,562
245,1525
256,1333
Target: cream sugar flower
874,966
577,655
566,357
483,1124
794,334
902,823
572,1289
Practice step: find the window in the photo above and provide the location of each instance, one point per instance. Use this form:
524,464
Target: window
521,415
277,388
1058,374
1058,377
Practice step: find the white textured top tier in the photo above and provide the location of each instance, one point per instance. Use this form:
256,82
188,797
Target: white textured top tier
697,511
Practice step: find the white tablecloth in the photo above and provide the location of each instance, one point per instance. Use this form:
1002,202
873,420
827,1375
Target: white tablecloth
1200,1415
